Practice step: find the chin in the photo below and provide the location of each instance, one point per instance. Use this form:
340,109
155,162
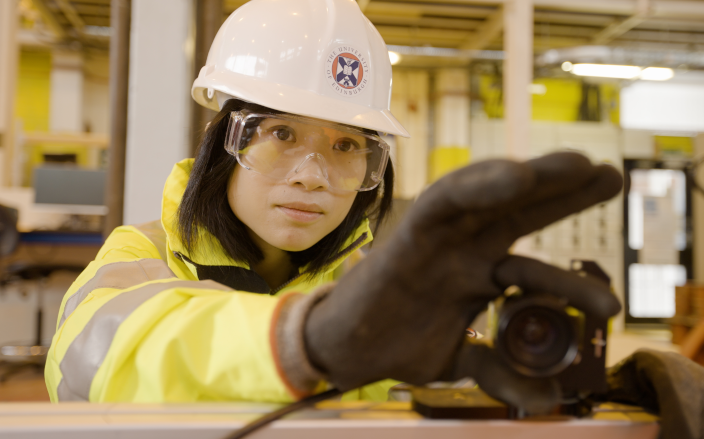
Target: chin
296,245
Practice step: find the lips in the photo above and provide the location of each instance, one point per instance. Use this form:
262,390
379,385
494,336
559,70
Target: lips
301,212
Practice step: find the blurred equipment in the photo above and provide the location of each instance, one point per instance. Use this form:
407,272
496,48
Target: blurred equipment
70,186
9,236
21,355
539,335
658,245
459,404
70,190
688,323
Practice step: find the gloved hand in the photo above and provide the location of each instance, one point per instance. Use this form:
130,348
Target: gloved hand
402,312
666,383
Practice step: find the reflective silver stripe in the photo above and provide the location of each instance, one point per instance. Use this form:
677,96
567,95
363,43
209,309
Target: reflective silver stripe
88,350
118,275
156,234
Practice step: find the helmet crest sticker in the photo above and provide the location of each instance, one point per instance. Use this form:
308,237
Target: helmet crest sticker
347,71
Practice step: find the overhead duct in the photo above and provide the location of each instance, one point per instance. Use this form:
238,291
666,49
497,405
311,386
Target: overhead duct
621,56
446,52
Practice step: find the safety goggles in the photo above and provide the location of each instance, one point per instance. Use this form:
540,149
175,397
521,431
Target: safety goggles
282,146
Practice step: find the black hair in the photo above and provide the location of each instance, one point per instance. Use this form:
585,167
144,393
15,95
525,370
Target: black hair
205,204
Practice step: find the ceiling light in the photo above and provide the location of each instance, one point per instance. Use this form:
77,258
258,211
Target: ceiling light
606,71
566,66
657,74
395,58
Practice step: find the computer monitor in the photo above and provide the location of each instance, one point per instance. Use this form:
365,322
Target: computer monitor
70,189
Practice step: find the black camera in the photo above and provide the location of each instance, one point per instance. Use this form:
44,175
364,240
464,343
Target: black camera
539,335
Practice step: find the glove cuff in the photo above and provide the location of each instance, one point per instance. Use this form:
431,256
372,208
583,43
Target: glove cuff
288,341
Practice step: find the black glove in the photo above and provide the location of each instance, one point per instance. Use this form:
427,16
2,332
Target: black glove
666,383
402,312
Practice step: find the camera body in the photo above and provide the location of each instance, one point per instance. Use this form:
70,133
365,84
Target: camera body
539,335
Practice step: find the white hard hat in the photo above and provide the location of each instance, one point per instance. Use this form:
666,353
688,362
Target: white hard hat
316,58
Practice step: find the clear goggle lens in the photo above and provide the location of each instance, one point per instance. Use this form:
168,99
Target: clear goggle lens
280,146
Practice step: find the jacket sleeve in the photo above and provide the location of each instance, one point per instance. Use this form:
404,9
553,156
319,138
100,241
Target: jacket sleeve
130,330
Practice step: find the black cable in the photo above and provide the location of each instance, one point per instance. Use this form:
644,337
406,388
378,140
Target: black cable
273,416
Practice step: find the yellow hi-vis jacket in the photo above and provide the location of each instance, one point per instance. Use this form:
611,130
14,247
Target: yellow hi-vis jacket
149,322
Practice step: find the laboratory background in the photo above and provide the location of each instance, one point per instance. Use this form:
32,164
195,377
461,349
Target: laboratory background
95,110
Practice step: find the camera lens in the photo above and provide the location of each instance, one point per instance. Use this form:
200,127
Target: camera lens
536,336
536,332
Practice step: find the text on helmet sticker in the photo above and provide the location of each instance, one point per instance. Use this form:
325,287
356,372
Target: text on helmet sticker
347,71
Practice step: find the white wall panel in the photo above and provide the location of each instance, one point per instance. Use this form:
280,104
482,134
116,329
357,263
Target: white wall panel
159,98
66,96
409,103
452,107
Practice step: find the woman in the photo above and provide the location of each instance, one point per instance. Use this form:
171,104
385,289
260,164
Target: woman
250,227
229,296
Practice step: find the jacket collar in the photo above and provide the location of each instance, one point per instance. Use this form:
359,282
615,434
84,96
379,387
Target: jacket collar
210,252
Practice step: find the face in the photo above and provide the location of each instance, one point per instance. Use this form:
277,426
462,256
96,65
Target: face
291,213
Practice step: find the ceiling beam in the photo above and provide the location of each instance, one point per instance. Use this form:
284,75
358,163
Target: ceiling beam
672,37
486,32
72,16
543,17
417,10
363,4
420,34
660,8
616,29
440,23
467,3
49,19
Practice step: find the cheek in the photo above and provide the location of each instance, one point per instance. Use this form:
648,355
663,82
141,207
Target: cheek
246,197
343,205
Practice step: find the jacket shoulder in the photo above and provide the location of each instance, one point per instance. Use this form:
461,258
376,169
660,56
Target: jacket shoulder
146,240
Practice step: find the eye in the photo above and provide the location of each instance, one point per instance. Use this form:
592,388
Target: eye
284,133
345,145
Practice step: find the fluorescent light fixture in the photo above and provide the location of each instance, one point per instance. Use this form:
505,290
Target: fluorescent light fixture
606,71
657,74
567,66
394,57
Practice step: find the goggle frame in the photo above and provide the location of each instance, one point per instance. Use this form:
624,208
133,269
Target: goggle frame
238,121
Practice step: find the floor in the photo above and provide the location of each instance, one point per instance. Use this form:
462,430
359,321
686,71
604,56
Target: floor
27,385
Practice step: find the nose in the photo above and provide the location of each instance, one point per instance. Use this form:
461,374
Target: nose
312,173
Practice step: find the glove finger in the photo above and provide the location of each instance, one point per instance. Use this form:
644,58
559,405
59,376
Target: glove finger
559,174
589,294
500,381
540,211
481,187
496,184
492,189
